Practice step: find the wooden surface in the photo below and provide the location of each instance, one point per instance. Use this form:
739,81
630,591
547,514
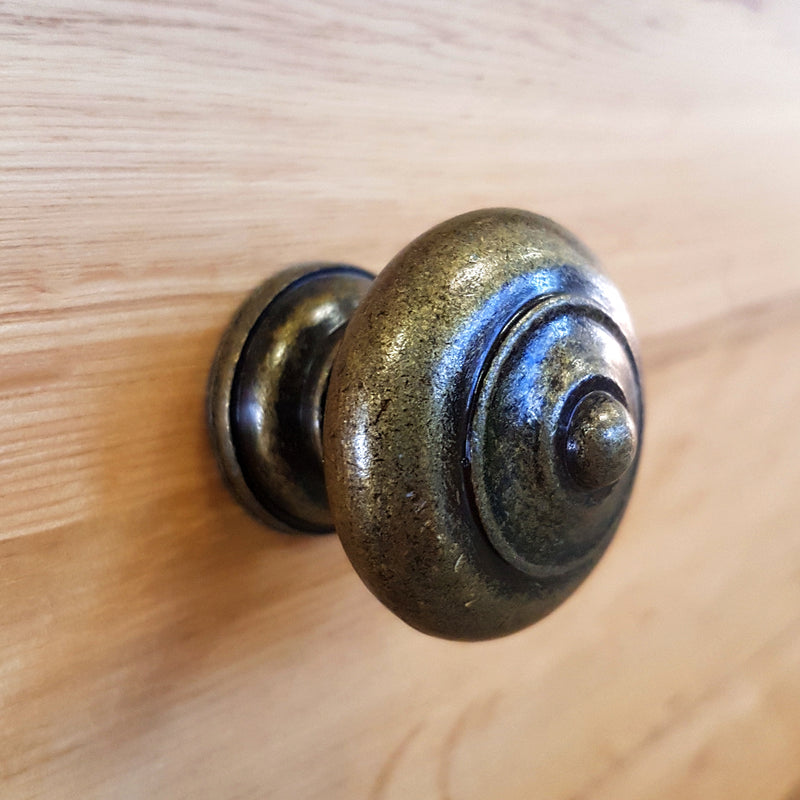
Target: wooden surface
159,159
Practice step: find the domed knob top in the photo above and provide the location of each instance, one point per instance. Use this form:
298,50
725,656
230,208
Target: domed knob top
601,441
482,423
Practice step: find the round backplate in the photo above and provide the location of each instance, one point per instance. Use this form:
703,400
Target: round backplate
267,391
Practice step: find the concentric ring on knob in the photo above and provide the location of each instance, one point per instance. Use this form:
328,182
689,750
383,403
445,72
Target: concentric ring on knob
533,393
447,424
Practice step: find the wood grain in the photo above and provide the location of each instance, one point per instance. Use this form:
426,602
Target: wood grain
156,161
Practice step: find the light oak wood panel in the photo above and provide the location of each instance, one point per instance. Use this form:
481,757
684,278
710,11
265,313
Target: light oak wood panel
157,161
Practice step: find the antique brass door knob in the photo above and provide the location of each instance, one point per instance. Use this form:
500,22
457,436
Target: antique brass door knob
468,422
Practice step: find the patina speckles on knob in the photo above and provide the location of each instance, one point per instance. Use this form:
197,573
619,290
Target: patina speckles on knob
481,417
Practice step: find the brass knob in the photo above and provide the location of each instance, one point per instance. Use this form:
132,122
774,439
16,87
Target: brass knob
468,422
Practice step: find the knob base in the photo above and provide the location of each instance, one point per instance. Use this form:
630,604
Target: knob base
267,389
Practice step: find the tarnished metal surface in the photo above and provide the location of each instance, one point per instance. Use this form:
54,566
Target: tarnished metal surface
446,426
481,427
